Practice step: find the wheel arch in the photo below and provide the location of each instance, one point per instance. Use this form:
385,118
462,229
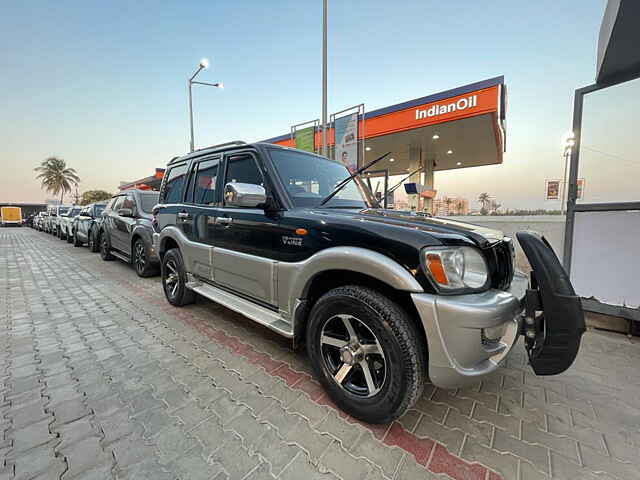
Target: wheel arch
140,233
167,243
350,266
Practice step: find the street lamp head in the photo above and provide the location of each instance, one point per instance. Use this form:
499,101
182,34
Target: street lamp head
204,63
568,137
220,85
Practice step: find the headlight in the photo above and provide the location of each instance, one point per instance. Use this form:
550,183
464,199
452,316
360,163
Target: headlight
456,268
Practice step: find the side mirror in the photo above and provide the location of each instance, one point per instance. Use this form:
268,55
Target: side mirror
244,195
125,212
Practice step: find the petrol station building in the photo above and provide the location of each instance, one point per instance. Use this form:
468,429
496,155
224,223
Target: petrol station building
459,128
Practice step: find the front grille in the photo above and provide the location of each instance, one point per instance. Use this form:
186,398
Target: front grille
502,258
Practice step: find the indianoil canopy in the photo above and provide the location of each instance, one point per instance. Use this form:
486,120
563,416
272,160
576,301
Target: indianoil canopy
346,134
305,139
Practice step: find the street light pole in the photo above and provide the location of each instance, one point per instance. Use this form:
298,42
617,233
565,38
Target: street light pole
323,150
204,63
569,142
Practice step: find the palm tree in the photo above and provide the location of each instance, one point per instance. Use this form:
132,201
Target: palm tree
484,198
56,177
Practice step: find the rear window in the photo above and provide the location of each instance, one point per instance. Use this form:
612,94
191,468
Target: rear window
99,209
204,192
148,201
172,191
63,210
74,212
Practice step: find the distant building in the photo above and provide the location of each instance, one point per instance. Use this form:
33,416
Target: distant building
445,206
26,207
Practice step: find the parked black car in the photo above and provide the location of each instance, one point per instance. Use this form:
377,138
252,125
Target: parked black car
126,231
86,225
383,299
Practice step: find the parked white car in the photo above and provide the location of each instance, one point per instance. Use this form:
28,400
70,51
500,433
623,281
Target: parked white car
65,223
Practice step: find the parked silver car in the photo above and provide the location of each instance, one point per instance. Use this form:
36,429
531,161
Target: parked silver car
65,223
52,221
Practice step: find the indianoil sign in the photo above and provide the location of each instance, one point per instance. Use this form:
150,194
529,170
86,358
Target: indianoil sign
436,110
453,108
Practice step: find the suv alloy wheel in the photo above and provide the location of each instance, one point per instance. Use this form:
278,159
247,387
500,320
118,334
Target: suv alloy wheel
174,279
367,353
140,259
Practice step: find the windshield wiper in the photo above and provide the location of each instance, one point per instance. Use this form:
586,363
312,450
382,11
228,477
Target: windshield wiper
344,182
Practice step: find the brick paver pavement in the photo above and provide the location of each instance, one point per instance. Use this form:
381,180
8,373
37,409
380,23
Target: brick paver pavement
101,378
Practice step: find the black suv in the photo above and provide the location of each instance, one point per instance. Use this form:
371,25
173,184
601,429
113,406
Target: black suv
86,225
126,231
383,299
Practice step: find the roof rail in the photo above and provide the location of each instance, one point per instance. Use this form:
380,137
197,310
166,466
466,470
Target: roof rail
226,144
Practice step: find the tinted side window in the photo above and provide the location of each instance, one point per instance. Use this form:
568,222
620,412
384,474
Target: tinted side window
204,192
128,202
172,192
112,202
243,169
117,204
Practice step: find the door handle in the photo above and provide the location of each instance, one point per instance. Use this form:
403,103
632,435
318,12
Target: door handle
184,215
226,221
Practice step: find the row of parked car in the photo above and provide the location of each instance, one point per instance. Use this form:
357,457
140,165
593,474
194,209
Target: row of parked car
120,228
382,299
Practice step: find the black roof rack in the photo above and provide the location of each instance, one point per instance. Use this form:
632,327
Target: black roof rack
209,148
225,144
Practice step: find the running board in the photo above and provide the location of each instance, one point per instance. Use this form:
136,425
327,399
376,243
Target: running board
261,315
119,255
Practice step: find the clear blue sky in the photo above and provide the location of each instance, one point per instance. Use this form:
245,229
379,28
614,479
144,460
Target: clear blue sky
103,84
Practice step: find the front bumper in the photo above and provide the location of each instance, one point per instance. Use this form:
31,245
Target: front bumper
457,326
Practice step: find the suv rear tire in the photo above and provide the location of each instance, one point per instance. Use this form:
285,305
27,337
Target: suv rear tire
174,279
105,248
367,353
69,237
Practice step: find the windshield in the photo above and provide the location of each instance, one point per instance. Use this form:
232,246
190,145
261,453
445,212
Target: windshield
309,178
148,201
99,209
74,212
63,210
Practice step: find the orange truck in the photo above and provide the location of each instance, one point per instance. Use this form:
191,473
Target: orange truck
11,216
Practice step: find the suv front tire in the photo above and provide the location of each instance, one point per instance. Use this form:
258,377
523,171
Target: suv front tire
366,352
140,259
